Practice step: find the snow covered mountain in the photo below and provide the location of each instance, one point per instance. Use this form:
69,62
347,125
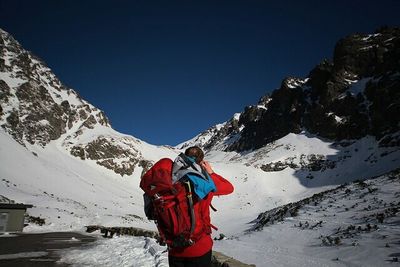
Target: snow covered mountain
341,123
60,153
336,125
353,96
37,109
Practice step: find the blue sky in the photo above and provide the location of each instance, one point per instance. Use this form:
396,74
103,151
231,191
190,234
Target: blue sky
164,71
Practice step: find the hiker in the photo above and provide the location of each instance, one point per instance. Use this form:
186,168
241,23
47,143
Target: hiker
199,176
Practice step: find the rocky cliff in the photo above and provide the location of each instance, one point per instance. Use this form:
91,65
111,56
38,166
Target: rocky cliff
355,94
37,109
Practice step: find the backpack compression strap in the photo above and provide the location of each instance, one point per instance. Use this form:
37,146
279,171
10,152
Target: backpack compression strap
190,200
181,240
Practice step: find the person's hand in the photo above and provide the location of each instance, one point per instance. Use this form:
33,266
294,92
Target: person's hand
206,166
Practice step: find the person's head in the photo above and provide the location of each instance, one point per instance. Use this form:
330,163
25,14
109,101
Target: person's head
196,153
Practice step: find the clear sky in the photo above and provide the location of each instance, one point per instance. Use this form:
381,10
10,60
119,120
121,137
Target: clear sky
163,71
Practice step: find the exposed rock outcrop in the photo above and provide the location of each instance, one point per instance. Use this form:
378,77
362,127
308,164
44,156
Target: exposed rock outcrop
36,109
354,95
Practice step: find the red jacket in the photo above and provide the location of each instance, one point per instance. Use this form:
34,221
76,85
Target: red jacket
202,208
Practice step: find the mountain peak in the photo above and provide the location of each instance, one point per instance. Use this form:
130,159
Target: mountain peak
350,97
36,109
35,106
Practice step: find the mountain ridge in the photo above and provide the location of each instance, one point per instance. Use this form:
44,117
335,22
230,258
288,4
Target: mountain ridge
48,118
60,154
37,109
345,98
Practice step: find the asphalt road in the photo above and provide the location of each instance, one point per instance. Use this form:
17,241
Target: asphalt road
38,249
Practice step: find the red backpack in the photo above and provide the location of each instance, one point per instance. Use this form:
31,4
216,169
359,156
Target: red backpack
170,205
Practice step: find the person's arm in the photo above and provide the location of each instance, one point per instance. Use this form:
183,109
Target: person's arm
224,187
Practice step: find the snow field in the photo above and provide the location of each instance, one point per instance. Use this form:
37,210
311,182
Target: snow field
341,230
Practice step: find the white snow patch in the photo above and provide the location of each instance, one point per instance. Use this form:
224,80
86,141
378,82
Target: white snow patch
219,126
339,119
261,107
118,251
10,80
370,36
236,116
43,122
367,47
7,234
35,254
293,83
349,81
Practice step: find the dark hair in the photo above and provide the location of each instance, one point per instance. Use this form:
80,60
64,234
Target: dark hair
195,152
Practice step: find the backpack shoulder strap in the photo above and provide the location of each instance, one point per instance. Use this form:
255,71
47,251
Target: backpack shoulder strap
191,206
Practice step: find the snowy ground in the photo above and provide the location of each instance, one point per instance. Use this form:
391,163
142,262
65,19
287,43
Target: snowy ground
67,192
70,193
118,251
354,225
342,229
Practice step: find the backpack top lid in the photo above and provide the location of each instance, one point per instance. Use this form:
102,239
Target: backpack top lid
165,173
185,166
158,178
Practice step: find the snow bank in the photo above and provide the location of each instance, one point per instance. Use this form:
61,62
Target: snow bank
118,251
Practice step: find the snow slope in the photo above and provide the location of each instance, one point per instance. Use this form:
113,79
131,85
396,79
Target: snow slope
354,225
256,189
67,192
70,193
